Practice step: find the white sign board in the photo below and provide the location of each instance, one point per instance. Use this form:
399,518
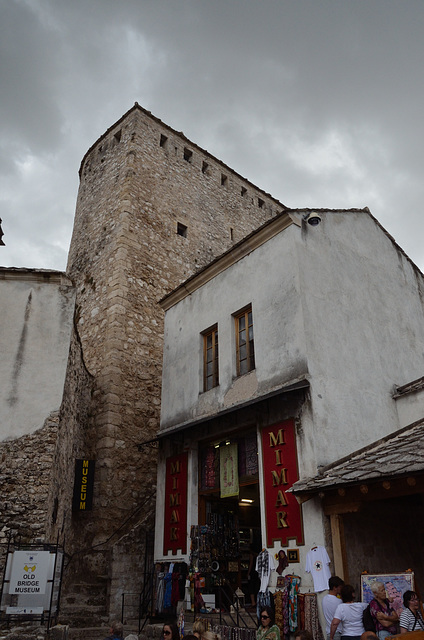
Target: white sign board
21,611
29,572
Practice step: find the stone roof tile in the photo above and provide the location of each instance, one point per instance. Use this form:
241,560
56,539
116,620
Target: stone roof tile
396,454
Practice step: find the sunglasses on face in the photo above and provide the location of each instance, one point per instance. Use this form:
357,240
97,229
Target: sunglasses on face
166,633
264,617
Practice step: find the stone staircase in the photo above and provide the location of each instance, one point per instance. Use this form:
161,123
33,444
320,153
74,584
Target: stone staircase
86,604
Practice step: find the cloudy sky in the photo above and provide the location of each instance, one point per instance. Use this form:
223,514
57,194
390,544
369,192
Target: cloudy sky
319,102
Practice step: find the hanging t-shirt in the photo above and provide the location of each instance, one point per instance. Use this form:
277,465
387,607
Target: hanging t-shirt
317,562
264,565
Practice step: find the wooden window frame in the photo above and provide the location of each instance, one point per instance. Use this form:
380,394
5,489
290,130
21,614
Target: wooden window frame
210,355
244,319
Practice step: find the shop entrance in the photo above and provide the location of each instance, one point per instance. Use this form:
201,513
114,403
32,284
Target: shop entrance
230,526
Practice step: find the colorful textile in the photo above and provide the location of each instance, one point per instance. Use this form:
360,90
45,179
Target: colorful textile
312,622
175,590
263,599
293,584
181,623
248,463
199,603
168,591
160,591
280,606
301,611
228,471
234,633
209,469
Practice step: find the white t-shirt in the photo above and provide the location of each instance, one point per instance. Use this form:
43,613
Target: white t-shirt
329,606
350,614
317,562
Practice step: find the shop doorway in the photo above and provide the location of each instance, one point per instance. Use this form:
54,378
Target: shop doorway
386,536
232,525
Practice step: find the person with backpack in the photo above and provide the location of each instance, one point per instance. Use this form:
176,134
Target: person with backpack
411,618
384,617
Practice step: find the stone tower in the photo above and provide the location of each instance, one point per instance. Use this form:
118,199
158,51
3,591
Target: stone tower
152,208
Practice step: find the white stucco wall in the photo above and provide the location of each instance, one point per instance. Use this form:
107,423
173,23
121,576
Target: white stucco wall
410,407
338,303
36,310
364,326
268,280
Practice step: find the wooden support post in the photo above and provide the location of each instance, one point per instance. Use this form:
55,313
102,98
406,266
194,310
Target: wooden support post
339,551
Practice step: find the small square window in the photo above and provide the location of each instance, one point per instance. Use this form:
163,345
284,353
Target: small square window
163,140
188,154
181,229
205,167
260,203
118,135
243,191
223,179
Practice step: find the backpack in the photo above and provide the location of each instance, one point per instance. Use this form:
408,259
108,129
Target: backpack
367,620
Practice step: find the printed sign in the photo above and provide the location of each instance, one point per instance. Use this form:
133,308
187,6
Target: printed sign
175,522
83,485
283,512
29,572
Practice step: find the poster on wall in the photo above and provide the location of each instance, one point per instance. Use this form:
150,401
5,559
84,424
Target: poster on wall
395,584
175,517
228,466
283,512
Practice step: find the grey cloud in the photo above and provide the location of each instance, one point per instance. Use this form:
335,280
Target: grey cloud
318,103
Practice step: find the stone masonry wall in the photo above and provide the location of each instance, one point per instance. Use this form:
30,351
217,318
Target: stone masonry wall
84,586
152,208
25,477
73,434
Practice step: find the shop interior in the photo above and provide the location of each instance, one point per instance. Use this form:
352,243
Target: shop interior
225,543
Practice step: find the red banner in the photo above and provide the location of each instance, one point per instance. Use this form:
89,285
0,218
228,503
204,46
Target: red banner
283,512
175,522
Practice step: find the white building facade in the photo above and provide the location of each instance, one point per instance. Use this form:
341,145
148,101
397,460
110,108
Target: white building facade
280,358
37,313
